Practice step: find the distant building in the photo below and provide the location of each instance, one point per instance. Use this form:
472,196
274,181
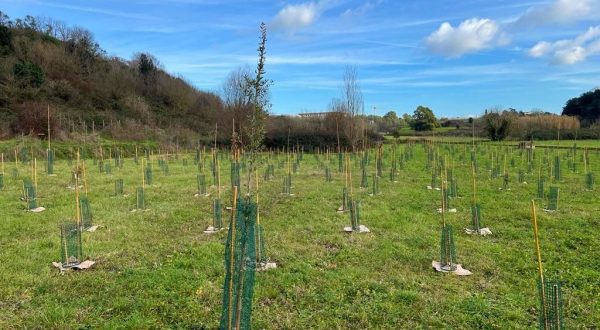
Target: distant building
313,114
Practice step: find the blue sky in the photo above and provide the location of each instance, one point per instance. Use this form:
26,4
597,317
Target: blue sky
457,57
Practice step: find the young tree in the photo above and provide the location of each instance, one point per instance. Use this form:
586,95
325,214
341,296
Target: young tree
259,95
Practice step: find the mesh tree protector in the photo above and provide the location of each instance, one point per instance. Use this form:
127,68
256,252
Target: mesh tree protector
553,196
540,188
355,215
557,171
50,162
447,249
551,305
364,181
148,174
118,187
86,212
476,217
29,194
217,222
70,245
140,201
240,265
201,180
589,180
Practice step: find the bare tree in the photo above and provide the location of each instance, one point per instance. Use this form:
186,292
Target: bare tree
235,89
353,106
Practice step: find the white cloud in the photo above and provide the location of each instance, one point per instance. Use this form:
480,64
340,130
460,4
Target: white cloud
540,49
569,51
470,36
294,17
362,9
560,12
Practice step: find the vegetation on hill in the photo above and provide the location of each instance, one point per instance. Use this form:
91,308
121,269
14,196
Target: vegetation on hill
46,63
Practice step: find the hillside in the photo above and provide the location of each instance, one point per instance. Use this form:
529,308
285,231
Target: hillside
45,63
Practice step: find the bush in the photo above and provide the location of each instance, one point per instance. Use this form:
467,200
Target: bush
28,75
497,125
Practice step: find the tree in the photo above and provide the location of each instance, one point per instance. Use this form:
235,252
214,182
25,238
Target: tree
28,75
423,119
258,93
586,107
147,66
497,124
5,40
353,106
391,122
235,94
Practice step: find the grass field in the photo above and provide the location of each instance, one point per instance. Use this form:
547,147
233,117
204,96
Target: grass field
156,269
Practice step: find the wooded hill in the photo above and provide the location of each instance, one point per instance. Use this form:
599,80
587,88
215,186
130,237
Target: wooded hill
46,63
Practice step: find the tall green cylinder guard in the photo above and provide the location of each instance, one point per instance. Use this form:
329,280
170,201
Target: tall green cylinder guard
71,252
118,187
448,250
140,203
240,268
86,212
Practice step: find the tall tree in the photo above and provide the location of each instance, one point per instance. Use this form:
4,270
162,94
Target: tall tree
586,107
353,106
423,119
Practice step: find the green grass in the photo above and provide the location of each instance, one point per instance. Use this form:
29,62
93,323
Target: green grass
156,269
